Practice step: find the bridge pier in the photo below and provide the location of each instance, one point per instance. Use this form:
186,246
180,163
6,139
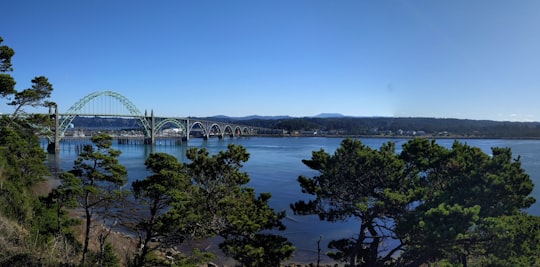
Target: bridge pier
152,127
54,146
186,128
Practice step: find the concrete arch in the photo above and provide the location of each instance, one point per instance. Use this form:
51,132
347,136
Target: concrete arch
246,131
204,131
215,126
231,130
207,128
237,130
174,122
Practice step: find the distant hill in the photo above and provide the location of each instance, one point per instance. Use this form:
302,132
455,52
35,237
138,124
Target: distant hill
251,117
280,117
337,124
330,115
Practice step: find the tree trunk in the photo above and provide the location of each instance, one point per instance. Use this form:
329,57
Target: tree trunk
144,252
87,230
148,236
102,237
358,245
463,260
373,247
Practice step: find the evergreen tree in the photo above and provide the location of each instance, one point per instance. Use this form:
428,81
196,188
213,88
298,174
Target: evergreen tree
53,221
21,157
464,198
7,83
360,183
105,259
154,195
221,204
21,166
101,175
457,207
35,96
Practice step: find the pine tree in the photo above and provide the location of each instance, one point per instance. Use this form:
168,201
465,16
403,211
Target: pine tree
101,176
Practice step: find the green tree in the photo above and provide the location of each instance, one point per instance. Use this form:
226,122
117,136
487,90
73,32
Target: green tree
35,96
21,166
155,194
53,221
464,196
6,53
222,205
101,174
106,259
361,183
109,257
25,158
64,197
513,241
457,206
7,83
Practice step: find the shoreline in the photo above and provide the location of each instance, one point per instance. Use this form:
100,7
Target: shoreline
457,137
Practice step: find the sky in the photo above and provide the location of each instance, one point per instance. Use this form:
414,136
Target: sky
392,58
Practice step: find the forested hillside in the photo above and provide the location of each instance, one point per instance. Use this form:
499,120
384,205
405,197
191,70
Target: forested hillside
372,126
387,126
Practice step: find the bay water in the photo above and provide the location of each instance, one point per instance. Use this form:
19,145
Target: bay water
274,166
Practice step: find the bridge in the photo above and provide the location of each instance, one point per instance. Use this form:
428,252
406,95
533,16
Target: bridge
105,104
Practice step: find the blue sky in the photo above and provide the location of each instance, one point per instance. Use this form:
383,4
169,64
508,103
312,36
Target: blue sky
443,59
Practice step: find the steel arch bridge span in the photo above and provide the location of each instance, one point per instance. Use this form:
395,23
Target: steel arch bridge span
76,108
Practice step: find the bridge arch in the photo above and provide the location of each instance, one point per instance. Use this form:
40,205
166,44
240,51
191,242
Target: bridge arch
221,129
201,125
217,127
229,128
207,127
79,105
234,130
172,121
